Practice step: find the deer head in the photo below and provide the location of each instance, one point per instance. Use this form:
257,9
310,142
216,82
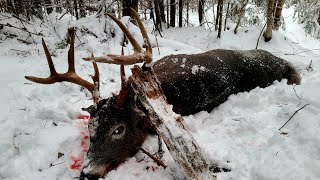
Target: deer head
117,125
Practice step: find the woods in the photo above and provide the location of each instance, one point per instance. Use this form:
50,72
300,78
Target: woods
166,12
170,89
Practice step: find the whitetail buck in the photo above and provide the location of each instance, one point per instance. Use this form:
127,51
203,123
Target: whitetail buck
119,125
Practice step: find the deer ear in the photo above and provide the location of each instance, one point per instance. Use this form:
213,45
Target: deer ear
93,109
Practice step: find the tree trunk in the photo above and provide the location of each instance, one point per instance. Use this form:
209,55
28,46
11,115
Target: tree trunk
227,14
82,10
162,14
172,13
217,16
240,16
220,4
180,12
158,16
213,11
268,33
200,11
168,22
187,12
277,14
126,5
75,4
150,5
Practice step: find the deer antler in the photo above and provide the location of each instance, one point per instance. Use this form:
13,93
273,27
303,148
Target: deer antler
139,54
70,75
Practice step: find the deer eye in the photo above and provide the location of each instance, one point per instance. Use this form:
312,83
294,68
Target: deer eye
118,131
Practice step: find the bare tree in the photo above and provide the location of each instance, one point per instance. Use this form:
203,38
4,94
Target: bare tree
162,14
127,4
158,15
200,11
227,14
82,10
268,33
220,4
172,13
217,17
180,12
241,13
75,4
277,14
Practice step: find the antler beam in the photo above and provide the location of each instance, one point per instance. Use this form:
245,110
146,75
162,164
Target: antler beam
139,54
70,75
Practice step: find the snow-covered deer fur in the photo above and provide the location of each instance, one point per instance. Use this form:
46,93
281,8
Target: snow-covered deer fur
191,83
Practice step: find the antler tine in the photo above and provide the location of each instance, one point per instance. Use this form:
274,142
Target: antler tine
138,56
135,44
49,59
71,68
144,34
70,75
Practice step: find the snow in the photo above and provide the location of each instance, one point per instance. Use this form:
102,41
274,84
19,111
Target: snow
40,121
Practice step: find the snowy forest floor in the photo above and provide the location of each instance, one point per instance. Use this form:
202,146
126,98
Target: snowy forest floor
42,127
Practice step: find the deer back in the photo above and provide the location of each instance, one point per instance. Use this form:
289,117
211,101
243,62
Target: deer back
197,82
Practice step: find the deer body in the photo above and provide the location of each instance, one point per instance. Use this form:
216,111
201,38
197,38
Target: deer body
191,83
119,125
197,82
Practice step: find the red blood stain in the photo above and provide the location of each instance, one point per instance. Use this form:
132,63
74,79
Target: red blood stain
77,162
86,137
84,117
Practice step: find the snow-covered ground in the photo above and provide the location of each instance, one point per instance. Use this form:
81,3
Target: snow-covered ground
42,127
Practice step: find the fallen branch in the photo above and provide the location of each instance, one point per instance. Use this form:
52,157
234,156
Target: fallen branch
158,161
293,115
22,29
169,125
260,35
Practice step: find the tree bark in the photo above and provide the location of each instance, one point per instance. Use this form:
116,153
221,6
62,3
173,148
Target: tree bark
277,14
268,33
227,14
217,16
170,126
162,14
127,4
82,10
220,4
158,16
200,11
75,4
180,12
172,13
187,12
240,16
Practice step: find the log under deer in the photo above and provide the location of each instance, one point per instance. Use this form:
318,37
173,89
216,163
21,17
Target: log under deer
197,82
